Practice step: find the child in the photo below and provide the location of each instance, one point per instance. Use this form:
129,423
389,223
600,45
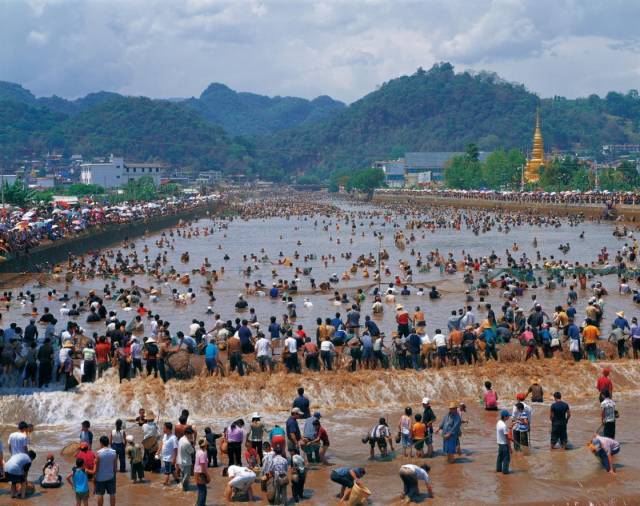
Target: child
251,456
418,435
50,476
85,434
490,398
212,452
135,452
79,480
298,477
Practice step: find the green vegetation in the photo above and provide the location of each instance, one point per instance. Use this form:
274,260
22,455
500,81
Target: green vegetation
364,180
434,110
501,170
251,114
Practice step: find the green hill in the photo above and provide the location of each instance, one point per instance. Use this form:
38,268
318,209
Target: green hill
251,114
137,128
440,110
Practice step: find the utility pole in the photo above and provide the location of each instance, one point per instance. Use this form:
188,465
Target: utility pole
597,178
521,178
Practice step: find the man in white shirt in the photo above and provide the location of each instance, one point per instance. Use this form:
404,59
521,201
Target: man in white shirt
504,444
291,351
410,474
185,457
439,341
327,351
241,480
19,441
168,452
264,352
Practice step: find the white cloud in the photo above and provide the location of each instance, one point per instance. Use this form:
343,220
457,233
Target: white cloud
343,48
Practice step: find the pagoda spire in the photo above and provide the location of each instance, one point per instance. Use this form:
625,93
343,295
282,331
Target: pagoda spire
532,169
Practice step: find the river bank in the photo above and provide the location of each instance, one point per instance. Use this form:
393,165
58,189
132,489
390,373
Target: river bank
627,213
101,237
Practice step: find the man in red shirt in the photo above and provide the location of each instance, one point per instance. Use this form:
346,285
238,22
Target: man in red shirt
88,457
604,383
402,319
103,350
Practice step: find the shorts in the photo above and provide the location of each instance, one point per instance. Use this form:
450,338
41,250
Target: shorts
168,467
278,441
367,353
418,444
242,483
635,343
108,486
212,363
442,351
345,481
15,478
264,360
81,495
406,441
380,441
559,434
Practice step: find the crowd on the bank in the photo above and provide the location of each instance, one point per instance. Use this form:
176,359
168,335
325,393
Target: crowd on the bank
21,229
562,197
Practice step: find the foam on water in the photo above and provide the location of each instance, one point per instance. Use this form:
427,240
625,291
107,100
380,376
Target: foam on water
224,398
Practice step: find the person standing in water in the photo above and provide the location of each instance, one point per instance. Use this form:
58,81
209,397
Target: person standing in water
504,443
451,429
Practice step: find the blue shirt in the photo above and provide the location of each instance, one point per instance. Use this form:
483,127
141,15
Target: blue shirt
366,341
244,333
80,481
302,403
293,428
621,323
274,330
372,327
573,332
336,322
273,293
211,350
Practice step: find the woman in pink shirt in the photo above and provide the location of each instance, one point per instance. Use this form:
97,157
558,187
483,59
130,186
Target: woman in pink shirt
201,472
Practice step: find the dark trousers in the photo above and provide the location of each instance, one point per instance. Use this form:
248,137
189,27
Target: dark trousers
469,353
212,457
326,359
235,453
257,446
312,362
162,370
490,352
409,483
622,349
609,430
504,459
89,375
44,374
152,365
235,362
137,471
297,486
202,494
415,360
292,363
123,369
119,448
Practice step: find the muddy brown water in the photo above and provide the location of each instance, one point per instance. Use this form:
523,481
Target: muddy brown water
351,403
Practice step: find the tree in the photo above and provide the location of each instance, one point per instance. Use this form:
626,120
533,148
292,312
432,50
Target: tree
472,152
366,180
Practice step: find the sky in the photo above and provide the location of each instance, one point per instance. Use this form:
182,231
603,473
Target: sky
344,49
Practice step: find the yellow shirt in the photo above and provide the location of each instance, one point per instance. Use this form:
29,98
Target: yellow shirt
590,334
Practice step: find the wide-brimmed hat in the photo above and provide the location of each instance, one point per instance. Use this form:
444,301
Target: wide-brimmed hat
620,314
296,411
67,344
151,340
255,415
426,400
453,405
399,306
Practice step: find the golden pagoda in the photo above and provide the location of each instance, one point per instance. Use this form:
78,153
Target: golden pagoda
532,169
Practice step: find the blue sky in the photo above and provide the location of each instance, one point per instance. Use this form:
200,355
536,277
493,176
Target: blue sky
175,48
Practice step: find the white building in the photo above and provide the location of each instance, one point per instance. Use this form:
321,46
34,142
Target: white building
116,172
106,174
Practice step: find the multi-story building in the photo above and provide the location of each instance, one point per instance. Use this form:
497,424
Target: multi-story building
116,172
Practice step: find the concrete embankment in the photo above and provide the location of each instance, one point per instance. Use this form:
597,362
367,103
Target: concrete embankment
99,237
629,213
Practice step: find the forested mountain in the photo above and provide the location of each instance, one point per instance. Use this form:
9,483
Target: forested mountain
438,110
15,93
139,129
251,114
284,136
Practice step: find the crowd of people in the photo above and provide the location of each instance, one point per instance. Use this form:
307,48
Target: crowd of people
23,229
562,197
